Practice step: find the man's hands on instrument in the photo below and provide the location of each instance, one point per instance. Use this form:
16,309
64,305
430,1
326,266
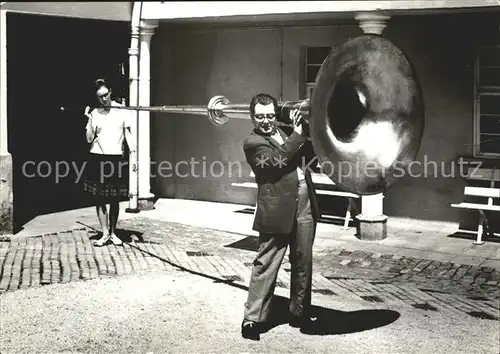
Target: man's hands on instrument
296,118
298,124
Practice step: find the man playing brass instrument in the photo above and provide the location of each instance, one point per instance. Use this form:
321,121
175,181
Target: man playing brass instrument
286,213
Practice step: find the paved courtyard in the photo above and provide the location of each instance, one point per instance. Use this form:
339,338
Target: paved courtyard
206,270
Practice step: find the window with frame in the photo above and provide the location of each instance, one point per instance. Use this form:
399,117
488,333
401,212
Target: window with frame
313,58
487,102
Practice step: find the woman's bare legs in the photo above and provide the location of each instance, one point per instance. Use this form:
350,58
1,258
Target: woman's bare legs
102,215
114,211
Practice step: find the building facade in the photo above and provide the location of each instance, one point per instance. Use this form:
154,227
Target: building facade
455,54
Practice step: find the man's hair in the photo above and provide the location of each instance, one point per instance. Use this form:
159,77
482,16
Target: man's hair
263,99
100,83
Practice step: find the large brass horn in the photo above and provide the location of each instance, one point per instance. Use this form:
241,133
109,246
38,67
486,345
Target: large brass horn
366,114
220,110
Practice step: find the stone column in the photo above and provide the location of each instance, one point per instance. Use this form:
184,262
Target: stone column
133,53
6,190
372,22
372,223
146,198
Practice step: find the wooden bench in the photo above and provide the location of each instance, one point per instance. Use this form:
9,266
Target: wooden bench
490,194
323,186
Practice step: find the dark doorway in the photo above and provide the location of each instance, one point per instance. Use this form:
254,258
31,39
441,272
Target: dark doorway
52,63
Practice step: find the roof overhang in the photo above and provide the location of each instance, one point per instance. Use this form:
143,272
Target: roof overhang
112,11
187,10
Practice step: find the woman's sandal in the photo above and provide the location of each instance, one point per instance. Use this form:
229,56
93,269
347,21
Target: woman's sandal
102,241
116,241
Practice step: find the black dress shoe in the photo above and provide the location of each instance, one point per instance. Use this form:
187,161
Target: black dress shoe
250,330
295,321
301,322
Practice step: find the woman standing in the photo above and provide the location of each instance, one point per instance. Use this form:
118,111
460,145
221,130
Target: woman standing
105,178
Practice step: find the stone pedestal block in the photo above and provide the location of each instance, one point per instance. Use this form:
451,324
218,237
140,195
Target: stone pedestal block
146,203
6,195
371,228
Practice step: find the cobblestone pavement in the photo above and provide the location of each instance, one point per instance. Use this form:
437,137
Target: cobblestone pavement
152,245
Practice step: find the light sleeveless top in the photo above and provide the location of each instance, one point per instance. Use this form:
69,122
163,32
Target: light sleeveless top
112,123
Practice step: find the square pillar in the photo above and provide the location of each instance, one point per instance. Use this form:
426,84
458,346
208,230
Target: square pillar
372,223
6,186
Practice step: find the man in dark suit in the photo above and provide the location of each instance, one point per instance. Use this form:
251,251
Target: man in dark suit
286,213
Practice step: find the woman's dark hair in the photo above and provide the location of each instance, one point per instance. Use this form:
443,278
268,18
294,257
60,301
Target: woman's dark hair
103,83
100,83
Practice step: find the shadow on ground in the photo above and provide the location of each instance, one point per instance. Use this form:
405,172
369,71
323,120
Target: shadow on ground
328,321
250,243
472,236
122,234
332,322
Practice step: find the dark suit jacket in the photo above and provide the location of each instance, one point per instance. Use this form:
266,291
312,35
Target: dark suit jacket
275,169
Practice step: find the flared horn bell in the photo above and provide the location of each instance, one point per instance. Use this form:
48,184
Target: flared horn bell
366,115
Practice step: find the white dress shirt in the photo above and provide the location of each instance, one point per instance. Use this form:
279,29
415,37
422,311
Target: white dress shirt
279,139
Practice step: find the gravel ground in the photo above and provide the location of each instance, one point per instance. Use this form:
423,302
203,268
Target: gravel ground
177,312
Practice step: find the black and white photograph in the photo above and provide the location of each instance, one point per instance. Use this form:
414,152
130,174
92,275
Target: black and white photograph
250,177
